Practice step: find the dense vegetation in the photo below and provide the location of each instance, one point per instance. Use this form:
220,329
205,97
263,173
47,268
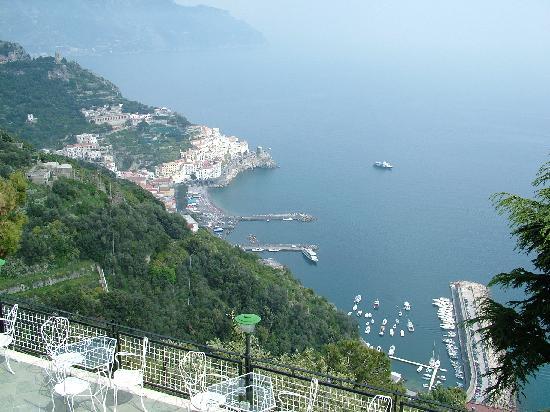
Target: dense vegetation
148,145
91,27
54,94
154,259
520,329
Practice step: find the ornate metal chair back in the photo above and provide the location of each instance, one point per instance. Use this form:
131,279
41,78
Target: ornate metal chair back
193,371
313,389
55,333
9,323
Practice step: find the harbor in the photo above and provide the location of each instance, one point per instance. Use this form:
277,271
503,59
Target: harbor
431,369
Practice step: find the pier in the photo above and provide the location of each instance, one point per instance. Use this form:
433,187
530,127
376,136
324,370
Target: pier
294,216
278,247
435,368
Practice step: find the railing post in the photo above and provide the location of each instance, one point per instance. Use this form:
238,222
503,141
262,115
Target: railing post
2,330
248,369
116,335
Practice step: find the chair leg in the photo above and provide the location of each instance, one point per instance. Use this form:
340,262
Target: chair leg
141,397
71,404
8,361
53,402
115,393
92,399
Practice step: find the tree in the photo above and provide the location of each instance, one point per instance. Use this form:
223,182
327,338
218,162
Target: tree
519,330
12,218
455,397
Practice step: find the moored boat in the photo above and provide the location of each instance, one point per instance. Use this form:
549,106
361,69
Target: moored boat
310,254
383,165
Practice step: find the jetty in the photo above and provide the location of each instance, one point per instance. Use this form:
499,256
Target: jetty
293,216
435,368
278,247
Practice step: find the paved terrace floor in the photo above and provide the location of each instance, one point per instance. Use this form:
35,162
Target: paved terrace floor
28,390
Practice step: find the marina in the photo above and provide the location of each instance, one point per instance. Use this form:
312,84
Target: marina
433,366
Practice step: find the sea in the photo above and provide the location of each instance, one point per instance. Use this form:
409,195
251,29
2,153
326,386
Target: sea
455,132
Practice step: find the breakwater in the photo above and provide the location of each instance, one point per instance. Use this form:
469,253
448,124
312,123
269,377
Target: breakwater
467,298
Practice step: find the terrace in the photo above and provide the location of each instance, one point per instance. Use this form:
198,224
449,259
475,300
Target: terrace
28,389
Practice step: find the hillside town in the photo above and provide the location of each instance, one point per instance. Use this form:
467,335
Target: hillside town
213,158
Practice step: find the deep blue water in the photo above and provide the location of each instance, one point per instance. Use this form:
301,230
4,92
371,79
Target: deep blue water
455,132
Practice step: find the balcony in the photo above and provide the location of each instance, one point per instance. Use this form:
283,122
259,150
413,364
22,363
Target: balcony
28,388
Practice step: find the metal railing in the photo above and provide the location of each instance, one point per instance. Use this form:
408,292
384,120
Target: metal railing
164,354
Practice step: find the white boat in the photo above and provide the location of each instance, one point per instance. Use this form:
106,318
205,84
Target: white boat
379,348
368,315
383,165
310,254
391,351
367,329
376,304
357,299
394,326
442,377
273,249
355,307
287,219
382,329
384,321
359,312
402,332
257,249
391,332
349,313
400,313
372,321
419,369
397,321
406,305
218,229
425,385
410,326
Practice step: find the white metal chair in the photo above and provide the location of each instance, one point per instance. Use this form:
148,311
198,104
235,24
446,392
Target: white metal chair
193,371
71,387
380,403
55,334
7,337
292,401
131,379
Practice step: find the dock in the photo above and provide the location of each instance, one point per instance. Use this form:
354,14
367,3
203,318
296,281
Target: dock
294,216
278,247
435,368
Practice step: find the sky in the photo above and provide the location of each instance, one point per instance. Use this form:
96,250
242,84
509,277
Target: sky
482,28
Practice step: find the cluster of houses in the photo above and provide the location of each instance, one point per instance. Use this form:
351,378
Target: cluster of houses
160,187
45,173
114,116
204,161
210,151
87,148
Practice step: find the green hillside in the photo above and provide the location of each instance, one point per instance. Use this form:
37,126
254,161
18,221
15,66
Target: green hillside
152,261
54,93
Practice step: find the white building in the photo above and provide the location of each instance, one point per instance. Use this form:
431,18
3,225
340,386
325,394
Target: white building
87,138
191,223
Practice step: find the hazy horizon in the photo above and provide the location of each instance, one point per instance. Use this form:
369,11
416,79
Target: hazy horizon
443,29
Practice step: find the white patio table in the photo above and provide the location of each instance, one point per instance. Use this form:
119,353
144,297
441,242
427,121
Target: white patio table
251,392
